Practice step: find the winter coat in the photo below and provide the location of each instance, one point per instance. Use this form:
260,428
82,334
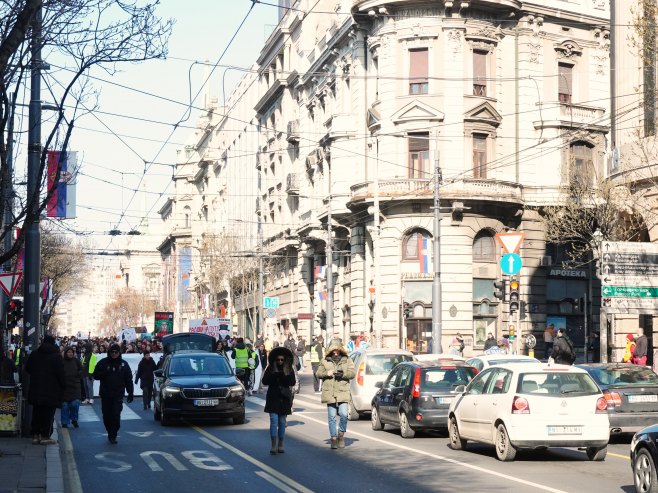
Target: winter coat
89,361
145,370
72,378
489,343
562,351
641,346
336,389
46,369
279,393
115,376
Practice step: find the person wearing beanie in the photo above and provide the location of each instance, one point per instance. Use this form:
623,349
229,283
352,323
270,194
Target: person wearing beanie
144,373
336,370
46,369
73,388
279,377
116,379
629,350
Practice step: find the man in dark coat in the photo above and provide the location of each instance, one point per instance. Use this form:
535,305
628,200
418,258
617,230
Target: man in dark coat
46,370
490,342
563,350
72,388
279,377
641,348
116,378
144,373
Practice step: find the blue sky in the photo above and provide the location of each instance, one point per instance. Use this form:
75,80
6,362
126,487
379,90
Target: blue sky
115,142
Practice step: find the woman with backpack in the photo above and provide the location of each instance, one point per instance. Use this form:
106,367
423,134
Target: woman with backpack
279,377
563,350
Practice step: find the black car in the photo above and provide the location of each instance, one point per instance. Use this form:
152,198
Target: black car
198,385
631,392
186,341
417,395
643,460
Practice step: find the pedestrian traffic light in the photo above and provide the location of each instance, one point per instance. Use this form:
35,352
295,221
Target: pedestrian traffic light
514,297
499,289
406,310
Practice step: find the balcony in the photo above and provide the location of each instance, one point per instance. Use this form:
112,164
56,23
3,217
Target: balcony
560,115
292,184
393,188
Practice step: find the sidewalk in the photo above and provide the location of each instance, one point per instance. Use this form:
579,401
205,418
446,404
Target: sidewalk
30,468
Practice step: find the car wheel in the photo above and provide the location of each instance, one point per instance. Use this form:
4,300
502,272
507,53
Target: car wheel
156,413
644,472
597,453
504,449
456,441
239,420
375,421
352,413
405,429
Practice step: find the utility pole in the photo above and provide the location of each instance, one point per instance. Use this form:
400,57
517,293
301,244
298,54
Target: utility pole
376,253
436,284
31,320
261,294
329,320
9,209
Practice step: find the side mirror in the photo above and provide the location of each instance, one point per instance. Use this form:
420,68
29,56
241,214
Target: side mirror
158,373
379,385
460,389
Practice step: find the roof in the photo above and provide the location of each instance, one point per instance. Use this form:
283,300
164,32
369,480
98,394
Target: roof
442,363
540,367
498,356
382,351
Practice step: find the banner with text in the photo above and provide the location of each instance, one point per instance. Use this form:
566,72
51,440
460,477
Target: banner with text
219,328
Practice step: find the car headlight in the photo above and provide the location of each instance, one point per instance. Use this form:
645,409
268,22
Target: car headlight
236,389
169,391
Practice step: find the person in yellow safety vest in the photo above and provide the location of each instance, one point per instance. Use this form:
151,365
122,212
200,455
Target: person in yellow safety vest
241,356
629,351
317,353
88,367
252,361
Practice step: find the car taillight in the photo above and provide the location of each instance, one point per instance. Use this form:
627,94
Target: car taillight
359,375
612,399
602,404
520,405
416,390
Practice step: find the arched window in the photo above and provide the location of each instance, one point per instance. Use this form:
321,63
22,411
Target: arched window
416,245
484,247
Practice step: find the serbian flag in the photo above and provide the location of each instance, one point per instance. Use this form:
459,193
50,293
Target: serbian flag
62,200
423,254
320,271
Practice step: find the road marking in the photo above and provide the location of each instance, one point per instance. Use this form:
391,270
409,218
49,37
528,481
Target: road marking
88,414
446,459
281,477
275,482
210,443
619,455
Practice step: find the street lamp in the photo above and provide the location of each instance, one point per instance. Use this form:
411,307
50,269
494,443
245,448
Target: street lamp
597,239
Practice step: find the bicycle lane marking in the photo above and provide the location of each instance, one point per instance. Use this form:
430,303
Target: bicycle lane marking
273,472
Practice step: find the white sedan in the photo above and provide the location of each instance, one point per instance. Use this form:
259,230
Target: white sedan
484,361
531,406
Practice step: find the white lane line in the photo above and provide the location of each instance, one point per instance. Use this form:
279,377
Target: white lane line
281,477
211,443
89,414
297,401
275,482
445,459
128,414
86,414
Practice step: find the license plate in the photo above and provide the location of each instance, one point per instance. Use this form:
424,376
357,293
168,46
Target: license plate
206,402
643,398
565,430
443,400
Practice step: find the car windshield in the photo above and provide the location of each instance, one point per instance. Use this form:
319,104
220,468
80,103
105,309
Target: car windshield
382,364
437,379
185,366
619,375
556,383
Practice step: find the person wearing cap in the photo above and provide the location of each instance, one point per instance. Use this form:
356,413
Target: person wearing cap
116,378
336,370
46,369
145,370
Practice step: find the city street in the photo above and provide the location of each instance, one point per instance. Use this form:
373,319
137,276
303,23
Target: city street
150,457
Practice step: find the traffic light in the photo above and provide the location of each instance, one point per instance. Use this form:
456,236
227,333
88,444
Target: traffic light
14,312
514,297
579,305
499,289
406,310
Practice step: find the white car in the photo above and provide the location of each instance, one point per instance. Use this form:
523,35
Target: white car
531,406
437,357
484,361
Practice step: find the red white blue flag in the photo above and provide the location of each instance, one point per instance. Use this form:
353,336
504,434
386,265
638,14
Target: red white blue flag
62,200
423,254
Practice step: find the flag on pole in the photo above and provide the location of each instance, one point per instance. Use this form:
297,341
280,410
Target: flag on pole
424,255
320,272
62,200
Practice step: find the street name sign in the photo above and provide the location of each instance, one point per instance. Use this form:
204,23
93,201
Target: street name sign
511,264
629,292
271,302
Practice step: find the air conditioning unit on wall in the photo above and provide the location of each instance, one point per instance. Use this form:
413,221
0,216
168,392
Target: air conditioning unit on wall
545,261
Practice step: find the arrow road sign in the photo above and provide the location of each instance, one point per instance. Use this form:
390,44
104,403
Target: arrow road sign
511,264
629,292
511,242
636,281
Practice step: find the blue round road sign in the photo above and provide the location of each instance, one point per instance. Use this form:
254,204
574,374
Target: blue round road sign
511,264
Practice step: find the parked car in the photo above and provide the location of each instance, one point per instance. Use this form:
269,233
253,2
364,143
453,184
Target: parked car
484,361
644,457
417,395
531,406
437,357
631,392
372,365
197,385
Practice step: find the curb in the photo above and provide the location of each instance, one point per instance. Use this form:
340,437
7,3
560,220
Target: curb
54,475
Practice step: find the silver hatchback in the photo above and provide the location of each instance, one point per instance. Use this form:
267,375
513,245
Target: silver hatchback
372,366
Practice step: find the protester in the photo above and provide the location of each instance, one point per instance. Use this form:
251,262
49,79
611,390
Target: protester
317,353
144,373
116,378
88,366
563,350
241,356
336,370
279,377
300,351
72,388
595,347
490,342
46,369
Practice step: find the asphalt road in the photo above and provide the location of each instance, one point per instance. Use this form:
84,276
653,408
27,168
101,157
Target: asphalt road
229,458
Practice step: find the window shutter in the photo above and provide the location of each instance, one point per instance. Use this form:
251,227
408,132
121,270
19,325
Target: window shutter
565,74
419,142
417,65
479,67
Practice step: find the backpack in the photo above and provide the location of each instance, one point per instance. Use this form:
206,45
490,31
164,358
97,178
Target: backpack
570,352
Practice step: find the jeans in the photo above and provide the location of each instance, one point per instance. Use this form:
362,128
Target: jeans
341,409
277,420
147,396
89,387
70,411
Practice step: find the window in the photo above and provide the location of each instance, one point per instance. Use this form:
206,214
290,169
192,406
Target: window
479,73
419,156
418,71
484,247
187,216
581,165
479,156
416,245
565,83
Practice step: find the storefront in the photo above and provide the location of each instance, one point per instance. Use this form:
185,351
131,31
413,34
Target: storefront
566,294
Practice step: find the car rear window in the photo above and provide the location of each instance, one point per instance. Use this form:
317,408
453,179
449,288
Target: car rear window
436,379
382,364
631,375
556,383
186,366
506,361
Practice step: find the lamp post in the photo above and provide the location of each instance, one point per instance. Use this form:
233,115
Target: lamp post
597,238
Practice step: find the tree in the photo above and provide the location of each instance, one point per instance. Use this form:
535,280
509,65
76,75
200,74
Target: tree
127,309
77,36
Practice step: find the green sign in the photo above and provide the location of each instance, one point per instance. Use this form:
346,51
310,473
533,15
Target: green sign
629,292
164,323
